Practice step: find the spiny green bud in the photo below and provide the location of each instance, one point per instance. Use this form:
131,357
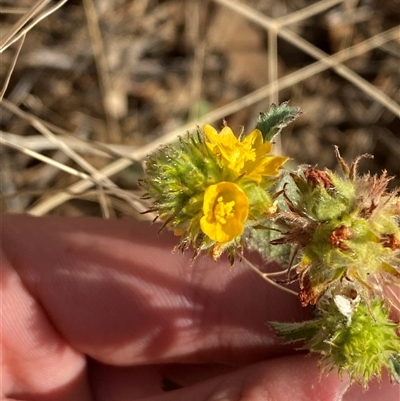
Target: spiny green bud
360,345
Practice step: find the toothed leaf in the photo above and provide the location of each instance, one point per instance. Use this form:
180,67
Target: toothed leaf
277,117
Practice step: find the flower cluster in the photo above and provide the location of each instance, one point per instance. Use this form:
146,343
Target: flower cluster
248,157
213,185
337,235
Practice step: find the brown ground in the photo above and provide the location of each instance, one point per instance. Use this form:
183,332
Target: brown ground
128,73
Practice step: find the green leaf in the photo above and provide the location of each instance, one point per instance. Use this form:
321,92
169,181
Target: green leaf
258,238
394,367
292,332
277,117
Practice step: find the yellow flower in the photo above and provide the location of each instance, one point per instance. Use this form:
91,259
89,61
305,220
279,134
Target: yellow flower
225,209
248,157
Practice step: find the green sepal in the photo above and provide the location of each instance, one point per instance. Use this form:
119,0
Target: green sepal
277,117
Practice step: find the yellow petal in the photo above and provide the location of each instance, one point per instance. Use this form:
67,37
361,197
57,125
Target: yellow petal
267,167
211,133
264,149
254,139
272,164
227,137
246,157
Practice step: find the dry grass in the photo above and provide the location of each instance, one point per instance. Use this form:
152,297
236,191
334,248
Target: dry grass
88,89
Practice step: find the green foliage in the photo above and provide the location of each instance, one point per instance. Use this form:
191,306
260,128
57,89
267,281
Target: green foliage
394,367
258,238
275,119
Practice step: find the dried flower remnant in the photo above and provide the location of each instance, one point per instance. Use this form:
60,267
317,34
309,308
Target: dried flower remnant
339,236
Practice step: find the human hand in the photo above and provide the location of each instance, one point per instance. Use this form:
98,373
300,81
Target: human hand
97,310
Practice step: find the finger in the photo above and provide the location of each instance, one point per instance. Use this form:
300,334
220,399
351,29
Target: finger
111,383
377,390
37,364
115,291
287,378
136,382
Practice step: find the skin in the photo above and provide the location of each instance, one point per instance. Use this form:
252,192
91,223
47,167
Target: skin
97,310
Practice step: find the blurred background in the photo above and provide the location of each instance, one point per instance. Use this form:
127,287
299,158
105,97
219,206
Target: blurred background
90,87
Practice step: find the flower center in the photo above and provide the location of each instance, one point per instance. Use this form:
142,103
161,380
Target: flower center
242,153
223,210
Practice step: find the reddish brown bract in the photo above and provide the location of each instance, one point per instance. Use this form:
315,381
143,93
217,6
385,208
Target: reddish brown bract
318,177
339,235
